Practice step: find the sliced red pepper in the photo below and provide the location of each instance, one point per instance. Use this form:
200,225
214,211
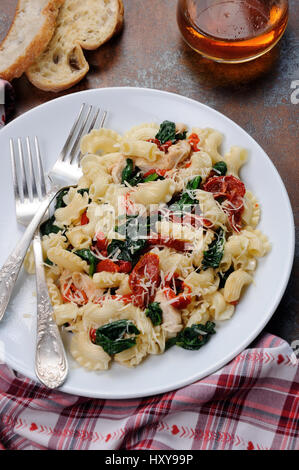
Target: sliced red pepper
194,141
108,266
73,294
84,219
155,141
162,147
150,172
165,147
129,205
145,279
160,172
92,335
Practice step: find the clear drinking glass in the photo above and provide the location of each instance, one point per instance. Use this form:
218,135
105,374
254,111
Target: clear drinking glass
232,30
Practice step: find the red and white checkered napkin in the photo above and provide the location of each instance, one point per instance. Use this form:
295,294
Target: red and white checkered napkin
252,403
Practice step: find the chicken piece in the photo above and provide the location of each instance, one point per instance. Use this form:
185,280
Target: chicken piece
117,170
172,321
85,283
178,153
180,127
166,161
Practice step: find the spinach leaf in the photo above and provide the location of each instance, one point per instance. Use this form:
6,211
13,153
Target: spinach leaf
127,171
130,224
224,276
112,336
167,132
82,191
181,135
134,227
220,168
88,256
137,178
196,336
126,250
213,256
130,174
193,337
194,183
59,199
153,177
185,200
49,227
187,197
49,262
170,342
154,312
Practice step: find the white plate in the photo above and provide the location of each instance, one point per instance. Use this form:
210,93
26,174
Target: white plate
177,367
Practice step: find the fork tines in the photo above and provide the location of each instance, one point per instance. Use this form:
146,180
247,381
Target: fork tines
90,117
27,170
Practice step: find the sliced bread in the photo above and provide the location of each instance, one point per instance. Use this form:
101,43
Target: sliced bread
80,25
33,27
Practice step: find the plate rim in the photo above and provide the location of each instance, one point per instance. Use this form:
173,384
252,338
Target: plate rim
211,369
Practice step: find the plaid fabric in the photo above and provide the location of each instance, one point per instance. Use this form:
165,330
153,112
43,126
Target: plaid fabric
252,403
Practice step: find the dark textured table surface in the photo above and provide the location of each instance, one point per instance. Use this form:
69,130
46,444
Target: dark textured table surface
150,53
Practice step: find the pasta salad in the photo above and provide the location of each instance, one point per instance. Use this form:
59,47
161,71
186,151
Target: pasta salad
153,247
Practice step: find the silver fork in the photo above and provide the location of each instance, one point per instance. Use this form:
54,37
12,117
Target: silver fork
64,173
51,365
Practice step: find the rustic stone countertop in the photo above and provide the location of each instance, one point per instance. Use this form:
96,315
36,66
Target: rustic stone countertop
149,52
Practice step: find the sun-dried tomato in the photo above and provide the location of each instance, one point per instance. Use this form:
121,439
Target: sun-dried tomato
145,279
73,294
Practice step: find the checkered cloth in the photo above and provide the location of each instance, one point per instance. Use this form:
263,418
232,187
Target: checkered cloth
251,403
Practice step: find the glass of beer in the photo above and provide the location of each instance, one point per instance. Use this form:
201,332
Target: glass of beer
232,30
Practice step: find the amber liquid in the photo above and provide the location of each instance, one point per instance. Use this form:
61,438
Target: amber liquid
232,30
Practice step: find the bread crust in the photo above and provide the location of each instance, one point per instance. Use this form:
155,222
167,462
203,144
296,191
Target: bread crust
37,45
57,87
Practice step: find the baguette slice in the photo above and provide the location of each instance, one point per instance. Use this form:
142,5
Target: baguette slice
80,24
32,29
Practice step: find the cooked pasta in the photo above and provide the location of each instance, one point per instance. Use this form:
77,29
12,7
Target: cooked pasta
100,141
154,246
138,148
234,285
235,159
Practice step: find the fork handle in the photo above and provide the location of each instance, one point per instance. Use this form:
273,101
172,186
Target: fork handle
51,365
10,270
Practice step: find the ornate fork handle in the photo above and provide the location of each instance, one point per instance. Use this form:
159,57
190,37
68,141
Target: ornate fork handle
51,365
11,268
